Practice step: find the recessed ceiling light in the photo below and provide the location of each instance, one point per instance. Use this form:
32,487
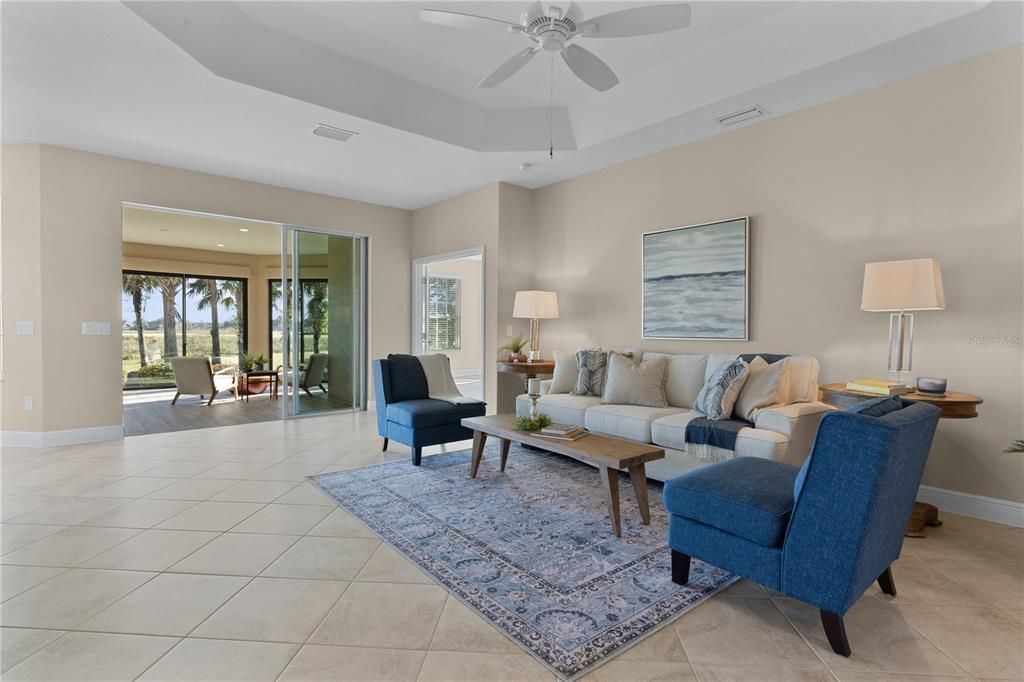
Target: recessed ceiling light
163,229
338,134
220,245
243,229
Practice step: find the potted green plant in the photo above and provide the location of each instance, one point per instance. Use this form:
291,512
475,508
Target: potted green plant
515,348
1016,446
259,362
247,362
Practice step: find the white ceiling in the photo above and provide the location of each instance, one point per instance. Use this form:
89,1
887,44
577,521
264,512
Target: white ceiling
196,231
235,88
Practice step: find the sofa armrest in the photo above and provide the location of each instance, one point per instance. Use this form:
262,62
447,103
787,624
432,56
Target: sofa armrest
799,421
545,386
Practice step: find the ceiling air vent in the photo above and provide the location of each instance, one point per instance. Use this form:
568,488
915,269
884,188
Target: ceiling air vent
338,134
741,116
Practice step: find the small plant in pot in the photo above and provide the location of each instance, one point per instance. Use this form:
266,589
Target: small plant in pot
259,362
515,348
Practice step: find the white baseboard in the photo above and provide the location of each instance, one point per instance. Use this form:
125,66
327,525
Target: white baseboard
465,373
51,439
980,507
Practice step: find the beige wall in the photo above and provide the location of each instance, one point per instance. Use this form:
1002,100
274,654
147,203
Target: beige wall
926,167
467,221
467,357
77,197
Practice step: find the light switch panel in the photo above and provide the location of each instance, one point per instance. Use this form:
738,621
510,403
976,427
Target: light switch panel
25,327
96,329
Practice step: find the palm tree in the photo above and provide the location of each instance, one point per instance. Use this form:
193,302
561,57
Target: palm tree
138,287
169,287
231,297
316,312
207,295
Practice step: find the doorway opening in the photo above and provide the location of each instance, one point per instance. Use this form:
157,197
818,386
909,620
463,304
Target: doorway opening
448,314
209,288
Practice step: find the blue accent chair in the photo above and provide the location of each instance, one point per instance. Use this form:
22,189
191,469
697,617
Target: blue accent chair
407,415
822,533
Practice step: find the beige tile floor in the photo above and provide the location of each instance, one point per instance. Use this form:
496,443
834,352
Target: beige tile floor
204,555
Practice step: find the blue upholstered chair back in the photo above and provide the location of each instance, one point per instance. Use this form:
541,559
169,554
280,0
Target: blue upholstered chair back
397,378
854,497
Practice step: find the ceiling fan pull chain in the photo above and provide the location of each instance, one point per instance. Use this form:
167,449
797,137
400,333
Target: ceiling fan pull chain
551,111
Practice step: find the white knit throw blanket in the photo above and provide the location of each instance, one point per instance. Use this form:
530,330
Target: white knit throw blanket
440,383
708,453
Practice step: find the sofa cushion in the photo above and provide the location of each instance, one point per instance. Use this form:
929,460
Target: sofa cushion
566,373
632,383
631,422
563,408
719,394
418,414
670,431
748,497
766,385
408,381
803,379
592,364
684,378
715,361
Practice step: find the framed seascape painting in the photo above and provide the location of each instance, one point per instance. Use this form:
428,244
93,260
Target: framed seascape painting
696,282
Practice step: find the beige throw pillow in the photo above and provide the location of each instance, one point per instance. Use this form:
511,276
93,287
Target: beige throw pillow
766,385
566,372
630,383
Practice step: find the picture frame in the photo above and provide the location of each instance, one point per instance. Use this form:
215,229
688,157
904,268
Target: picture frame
695,282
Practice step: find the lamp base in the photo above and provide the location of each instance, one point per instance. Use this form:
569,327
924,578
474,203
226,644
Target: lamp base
534,356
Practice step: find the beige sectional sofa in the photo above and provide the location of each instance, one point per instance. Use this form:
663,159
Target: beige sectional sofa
784,432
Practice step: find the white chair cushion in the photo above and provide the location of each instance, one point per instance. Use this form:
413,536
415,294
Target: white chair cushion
631,422
563,408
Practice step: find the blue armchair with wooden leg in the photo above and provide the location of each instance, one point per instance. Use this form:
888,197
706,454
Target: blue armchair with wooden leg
823,533
406,413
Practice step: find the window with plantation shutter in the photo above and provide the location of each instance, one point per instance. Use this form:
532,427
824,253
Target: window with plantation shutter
443,313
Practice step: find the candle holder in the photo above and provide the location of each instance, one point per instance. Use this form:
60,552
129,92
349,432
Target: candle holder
533,405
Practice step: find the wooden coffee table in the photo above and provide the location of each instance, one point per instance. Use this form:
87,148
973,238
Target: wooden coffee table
608,454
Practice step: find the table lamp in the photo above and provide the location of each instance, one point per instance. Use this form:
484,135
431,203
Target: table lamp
535,306
898,287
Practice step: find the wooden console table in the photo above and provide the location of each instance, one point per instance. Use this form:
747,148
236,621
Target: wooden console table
953,405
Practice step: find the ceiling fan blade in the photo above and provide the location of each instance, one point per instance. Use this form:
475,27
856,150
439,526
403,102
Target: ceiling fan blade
590,68
506,70
637,21
462,20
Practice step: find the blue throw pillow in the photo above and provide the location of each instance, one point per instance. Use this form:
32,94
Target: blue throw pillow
408,381
877,407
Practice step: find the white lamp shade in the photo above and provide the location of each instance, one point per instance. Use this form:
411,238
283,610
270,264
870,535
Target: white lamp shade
536,305
901,285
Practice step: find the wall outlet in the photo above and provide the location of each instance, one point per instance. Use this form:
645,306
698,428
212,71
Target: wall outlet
508,331
28,402
25,327
95,329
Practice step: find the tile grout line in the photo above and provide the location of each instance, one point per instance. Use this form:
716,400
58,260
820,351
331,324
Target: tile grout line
801,635
313,631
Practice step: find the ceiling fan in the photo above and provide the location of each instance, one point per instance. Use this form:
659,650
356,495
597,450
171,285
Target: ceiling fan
553,31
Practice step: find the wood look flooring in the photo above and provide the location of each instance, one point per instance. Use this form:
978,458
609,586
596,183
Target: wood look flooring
151,411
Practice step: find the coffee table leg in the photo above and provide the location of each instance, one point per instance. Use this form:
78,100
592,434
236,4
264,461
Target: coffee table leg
479,438
610,481
505,444
638,477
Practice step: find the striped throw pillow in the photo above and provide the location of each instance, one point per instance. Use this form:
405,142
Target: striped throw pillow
719,394
593,366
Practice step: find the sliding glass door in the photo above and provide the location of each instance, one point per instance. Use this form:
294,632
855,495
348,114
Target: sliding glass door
322,304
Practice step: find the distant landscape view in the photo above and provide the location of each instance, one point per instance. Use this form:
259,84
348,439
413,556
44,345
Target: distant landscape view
695,282
154,307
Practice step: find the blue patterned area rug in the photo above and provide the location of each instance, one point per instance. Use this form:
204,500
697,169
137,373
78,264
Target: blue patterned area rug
531,550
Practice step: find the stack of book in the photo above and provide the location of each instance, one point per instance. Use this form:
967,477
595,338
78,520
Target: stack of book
878,387
563,431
